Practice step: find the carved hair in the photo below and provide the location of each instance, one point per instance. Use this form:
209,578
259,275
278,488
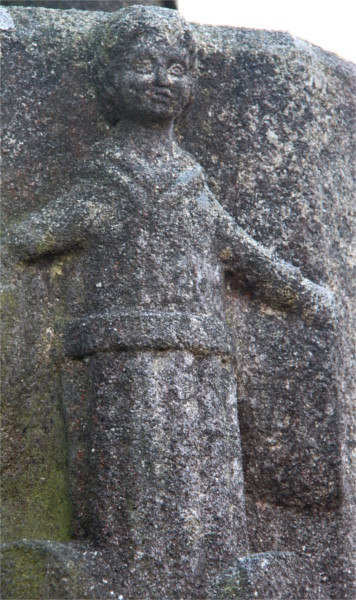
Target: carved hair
121,30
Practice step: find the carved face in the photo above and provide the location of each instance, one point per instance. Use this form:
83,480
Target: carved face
152,81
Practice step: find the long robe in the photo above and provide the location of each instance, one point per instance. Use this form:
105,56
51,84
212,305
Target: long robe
146,251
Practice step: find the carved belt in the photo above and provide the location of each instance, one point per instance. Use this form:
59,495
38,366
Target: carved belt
136,330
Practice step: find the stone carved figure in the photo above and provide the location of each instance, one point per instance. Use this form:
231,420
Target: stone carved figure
146,246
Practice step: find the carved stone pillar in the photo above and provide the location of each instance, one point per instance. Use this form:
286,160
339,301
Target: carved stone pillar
178,310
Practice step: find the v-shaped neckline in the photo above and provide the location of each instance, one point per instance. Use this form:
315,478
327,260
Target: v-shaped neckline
154,181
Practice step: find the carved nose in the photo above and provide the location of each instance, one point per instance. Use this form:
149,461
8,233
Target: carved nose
161,76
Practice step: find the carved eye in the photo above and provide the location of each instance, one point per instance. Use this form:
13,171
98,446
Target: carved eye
177,70
143,65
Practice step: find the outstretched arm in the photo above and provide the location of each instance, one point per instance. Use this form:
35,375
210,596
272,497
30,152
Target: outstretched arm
58,228
272,280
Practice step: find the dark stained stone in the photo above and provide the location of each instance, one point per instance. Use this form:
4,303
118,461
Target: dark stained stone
138,308
105,5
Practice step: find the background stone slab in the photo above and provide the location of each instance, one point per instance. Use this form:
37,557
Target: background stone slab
272,126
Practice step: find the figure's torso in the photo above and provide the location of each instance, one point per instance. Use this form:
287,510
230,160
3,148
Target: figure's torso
151,246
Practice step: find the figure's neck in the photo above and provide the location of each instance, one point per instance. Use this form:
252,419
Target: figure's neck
146,139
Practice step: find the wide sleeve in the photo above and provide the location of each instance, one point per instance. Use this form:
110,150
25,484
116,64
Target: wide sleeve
60,227
270,279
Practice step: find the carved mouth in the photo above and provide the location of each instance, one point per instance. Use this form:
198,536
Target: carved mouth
160,93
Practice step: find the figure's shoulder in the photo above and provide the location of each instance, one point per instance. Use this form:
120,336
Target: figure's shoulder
106,149
104,166
101,155
188,171
186,160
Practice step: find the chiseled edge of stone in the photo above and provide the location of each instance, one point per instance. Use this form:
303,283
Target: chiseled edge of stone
6,20
273,574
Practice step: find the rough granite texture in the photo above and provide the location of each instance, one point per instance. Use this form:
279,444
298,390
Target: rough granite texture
159,484
106,5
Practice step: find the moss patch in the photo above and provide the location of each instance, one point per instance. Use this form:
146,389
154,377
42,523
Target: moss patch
43,570
27,573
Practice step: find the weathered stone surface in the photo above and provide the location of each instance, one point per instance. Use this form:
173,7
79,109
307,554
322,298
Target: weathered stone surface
270,575
42,569
106,5
277,131
271,126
